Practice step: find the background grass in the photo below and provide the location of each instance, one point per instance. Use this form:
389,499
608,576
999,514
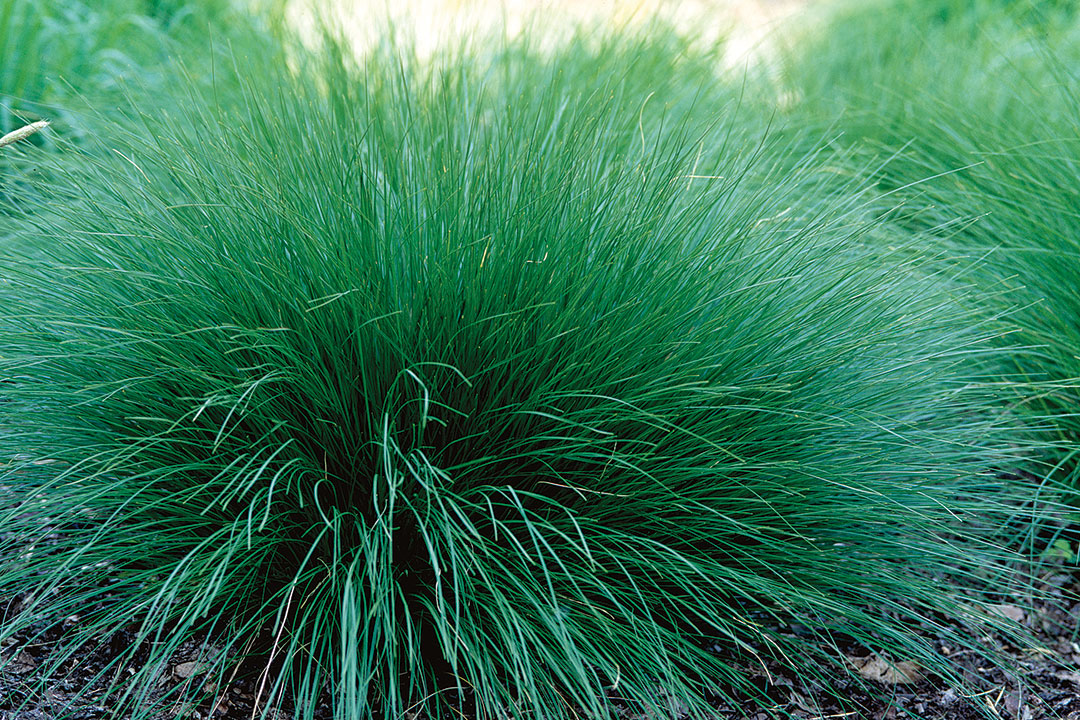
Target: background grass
975,110
80,65
93,49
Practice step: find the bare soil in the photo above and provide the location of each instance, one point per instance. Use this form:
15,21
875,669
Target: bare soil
1034,685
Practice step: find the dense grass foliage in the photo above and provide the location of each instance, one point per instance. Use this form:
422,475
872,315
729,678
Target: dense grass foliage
516,383
977,121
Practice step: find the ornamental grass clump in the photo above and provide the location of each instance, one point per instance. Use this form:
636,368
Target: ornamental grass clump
462,386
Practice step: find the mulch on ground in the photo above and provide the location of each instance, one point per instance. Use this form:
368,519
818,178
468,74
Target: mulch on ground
1032,684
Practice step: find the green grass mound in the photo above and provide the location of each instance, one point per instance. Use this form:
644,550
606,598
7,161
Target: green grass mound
511,383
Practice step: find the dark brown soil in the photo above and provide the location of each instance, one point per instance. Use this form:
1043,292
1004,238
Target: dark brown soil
1032,684
1035,684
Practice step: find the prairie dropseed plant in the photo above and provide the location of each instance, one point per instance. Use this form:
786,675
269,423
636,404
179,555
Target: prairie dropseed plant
490,386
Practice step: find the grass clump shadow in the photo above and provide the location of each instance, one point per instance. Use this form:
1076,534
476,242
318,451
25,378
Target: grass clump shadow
488,385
